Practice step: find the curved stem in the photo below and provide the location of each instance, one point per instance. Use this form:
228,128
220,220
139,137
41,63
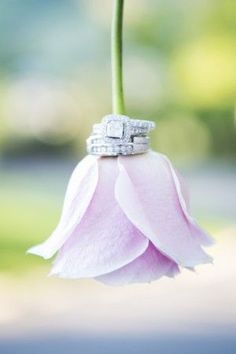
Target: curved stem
116,58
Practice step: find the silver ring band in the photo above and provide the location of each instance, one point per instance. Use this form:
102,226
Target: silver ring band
115,150
98,139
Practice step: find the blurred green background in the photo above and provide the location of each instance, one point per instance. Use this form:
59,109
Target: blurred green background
179,69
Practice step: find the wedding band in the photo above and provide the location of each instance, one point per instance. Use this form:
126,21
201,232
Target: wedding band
98,139
115,150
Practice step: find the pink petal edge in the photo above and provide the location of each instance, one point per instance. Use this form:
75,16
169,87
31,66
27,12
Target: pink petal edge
150,266
105,240
197,231
146,192
80,190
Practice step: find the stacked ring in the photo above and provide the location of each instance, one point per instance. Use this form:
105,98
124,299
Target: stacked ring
119,135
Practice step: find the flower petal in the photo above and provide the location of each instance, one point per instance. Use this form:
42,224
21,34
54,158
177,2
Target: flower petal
146,193
201,235
105,239
79,193
151,265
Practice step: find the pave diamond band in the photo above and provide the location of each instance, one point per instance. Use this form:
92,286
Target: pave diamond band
114,150
119,135
98,139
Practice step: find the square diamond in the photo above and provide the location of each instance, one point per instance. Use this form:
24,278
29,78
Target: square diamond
115,129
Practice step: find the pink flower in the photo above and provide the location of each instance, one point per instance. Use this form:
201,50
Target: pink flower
125,220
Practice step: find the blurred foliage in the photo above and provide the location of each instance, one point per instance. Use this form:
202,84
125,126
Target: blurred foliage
29,210
179,64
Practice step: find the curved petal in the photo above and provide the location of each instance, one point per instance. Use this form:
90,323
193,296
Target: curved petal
79,193
151,265
105,240
201,235
146,193
173,271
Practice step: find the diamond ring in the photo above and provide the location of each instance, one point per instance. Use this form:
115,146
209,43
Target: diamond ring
119,128
119,135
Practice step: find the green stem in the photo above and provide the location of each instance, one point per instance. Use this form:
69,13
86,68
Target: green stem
116,58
